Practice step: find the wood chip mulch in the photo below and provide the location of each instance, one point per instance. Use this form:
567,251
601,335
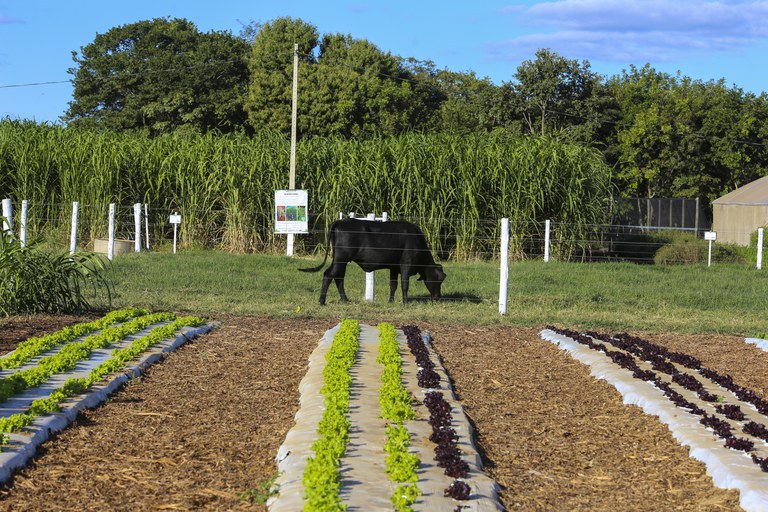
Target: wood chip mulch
201,429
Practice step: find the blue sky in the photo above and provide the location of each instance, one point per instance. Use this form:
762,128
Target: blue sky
702,39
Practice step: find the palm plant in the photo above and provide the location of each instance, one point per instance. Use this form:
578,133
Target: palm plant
35,281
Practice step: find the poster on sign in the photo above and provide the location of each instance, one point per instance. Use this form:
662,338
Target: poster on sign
291,211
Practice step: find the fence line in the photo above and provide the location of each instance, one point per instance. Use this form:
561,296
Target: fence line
528,240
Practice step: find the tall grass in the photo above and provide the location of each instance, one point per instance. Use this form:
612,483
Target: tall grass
223,185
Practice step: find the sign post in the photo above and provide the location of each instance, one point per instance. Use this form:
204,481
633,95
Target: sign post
291,212
710,236
175,219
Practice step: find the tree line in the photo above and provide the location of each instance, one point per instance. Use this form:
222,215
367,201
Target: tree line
662,135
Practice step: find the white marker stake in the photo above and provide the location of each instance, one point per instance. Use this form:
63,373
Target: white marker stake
73,233
137,224
504,277
7,215
23,226
546,241
369,280
759,248
146,226
111,233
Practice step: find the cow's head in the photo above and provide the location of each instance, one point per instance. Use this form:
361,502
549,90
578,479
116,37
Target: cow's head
433,277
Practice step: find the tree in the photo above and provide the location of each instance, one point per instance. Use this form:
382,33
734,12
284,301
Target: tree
686,138
160,76
470,104
380,95
553,94
271,65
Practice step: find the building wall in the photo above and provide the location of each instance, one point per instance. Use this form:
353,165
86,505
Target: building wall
734,223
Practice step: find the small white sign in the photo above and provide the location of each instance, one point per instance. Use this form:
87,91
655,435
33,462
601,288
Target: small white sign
291,211
175,219
710,235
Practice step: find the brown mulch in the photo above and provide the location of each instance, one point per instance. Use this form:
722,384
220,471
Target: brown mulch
203,427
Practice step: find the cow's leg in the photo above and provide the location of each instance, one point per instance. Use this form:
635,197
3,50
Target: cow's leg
404,274
327,278
392,283
338,277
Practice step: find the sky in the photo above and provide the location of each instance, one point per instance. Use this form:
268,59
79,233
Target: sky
702,39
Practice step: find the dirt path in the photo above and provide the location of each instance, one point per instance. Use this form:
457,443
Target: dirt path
205,425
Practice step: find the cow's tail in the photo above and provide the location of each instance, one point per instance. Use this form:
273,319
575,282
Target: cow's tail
328,242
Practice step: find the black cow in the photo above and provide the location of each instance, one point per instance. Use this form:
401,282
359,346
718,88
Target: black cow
398,246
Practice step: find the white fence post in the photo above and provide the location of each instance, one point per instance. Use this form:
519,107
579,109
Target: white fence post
111,233
23,225
146,226
73,233
369,279
137,223
175,225
8,215
546,240
504,276
759,248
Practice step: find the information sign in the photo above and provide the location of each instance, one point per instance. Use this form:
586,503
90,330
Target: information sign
291,211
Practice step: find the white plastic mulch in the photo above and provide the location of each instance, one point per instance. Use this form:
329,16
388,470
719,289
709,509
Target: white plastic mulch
729,469
23,445
365,484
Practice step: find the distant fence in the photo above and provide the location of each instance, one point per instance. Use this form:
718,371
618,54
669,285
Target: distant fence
479,240
660,213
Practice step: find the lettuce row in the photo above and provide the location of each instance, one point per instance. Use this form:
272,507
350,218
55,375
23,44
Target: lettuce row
322,478
68,357
396,406
77,386
33,347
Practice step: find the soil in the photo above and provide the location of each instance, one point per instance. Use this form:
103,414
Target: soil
200,430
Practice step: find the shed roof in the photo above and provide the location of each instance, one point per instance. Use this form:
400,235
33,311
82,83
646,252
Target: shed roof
754,193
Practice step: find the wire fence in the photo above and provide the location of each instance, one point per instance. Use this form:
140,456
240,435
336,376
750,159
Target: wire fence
480,239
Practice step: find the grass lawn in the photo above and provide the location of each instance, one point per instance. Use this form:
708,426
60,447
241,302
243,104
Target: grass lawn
727,299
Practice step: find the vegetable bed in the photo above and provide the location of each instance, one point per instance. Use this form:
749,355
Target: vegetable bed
47,380
201,430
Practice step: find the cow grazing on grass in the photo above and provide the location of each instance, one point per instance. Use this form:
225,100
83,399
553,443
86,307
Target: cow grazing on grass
398,246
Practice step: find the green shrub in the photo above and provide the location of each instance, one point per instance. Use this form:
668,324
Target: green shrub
685,248
35,281
681,248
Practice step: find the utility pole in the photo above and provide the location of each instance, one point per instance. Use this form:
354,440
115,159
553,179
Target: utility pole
294,101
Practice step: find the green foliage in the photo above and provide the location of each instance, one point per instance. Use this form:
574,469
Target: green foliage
35,281
685,138
449,185
404,496
321,478
394,399
160,76
35,346
67,358
555,95
395,405
76,386
687,249
262,492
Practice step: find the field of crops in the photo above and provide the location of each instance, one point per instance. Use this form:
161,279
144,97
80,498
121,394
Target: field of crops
224,186
549,433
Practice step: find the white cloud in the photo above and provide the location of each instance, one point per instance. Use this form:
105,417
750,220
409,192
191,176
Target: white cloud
636,30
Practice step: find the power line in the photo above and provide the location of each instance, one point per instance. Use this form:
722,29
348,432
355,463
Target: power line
33,84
